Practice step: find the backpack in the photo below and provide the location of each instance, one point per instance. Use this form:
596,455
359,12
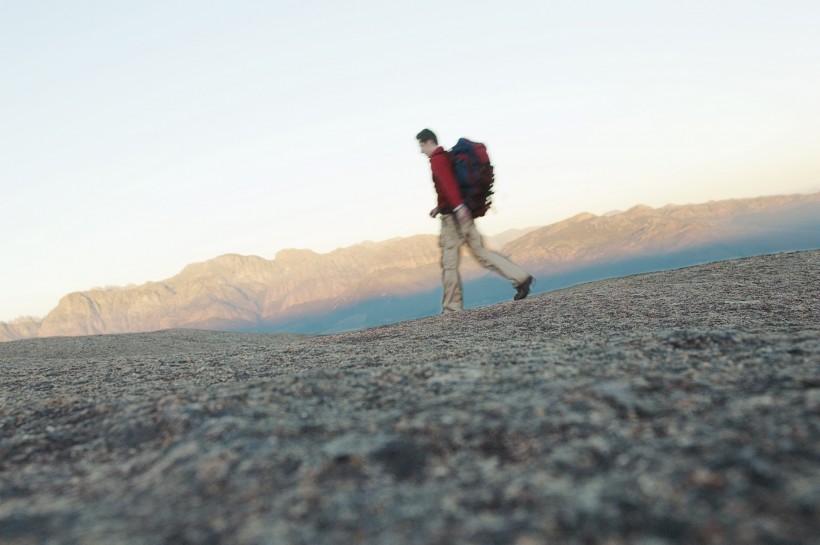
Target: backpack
474,173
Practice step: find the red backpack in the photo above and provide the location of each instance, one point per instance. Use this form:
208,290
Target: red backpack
474,173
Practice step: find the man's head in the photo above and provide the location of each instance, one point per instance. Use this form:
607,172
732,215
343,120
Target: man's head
427,142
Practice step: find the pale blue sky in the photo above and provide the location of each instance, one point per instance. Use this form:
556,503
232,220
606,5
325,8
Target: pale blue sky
138,137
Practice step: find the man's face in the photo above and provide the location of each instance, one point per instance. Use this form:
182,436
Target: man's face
427,147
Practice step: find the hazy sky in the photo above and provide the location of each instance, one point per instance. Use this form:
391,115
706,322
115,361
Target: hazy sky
138,137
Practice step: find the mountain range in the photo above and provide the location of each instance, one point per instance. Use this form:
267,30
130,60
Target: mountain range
375,283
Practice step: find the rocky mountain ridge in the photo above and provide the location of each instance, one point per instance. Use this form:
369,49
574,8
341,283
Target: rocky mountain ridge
356,285
642,230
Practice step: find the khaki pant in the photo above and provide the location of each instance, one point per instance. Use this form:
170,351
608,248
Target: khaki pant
452,237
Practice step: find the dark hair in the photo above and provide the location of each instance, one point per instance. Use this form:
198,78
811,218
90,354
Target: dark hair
426,135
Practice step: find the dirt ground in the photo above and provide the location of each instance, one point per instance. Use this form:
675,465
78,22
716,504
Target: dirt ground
671,407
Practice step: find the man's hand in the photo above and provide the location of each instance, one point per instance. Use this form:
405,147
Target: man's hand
434,212
463,214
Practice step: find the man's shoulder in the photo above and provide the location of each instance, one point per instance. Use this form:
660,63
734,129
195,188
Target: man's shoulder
439,154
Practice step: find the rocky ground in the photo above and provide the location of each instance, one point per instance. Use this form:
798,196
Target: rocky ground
673,407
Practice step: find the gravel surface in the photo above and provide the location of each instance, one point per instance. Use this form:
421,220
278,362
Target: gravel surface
673,407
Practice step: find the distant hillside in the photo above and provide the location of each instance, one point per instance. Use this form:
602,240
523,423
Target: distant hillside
22,328
715,230
384,282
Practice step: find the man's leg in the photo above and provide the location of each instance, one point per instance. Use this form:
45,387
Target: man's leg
492,260
450,242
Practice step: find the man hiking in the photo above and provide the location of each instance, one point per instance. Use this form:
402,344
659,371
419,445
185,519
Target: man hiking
457,227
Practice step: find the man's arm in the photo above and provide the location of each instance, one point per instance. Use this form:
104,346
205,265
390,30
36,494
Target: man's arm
448,186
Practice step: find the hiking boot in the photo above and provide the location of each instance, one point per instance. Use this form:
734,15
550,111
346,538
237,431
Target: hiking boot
523,289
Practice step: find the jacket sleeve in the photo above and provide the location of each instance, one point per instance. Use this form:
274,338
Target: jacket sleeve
446,183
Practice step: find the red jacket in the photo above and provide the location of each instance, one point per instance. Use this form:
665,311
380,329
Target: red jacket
449,195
